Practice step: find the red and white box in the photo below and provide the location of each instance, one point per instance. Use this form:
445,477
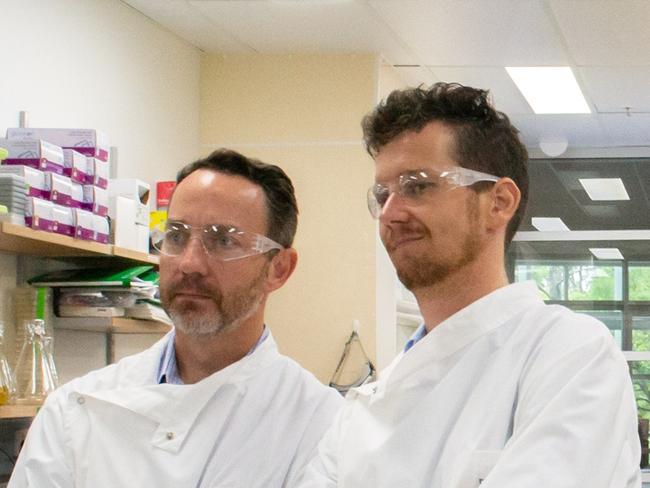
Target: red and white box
84,225
35,153
39,214
76,167
95,200
63,220
89,142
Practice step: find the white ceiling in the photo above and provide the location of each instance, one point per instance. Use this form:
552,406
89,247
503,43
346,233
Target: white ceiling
606,42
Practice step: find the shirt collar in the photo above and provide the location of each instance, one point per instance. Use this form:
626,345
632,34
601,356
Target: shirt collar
419,333
168,369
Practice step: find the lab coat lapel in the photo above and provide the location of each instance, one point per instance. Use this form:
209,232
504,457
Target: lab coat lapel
479,318
175,408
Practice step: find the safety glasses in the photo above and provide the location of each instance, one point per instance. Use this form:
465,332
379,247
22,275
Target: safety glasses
222,242
415,187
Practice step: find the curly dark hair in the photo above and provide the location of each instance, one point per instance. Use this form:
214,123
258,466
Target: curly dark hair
282,208
485,140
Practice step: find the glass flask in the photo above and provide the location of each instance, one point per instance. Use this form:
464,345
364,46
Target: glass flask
7,381
34,376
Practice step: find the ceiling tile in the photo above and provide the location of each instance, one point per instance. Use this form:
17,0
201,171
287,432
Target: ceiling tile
605,32
274,26
578,130
613,88
476,33
190,24
505,95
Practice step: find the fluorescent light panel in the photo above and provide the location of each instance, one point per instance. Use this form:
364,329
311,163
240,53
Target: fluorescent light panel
606,253
550,89
549,224
604,189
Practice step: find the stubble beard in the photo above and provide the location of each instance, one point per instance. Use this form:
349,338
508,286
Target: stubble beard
230,311
427,269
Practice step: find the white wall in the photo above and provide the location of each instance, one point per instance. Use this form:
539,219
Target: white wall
99,64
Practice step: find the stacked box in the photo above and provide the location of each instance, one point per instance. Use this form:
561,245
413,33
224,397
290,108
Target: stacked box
89,142
13,195
35,153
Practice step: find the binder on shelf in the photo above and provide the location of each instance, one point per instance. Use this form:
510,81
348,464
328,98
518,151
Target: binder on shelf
132,277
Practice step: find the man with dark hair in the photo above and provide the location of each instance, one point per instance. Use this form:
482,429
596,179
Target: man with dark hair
496,388
213,403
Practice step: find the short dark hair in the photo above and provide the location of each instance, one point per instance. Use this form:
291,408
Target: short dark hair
282,208
485,140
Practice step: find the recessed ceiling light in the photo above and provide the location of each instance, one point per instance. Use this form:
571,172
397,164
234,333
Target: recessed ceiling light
606,253
549,224
550,89
601,189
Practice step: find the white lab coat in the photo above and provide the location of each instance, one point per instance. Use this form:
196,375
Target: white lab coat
507,393
252,424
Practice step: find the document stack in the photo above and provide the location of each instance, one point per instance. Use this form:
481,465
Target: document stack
13,195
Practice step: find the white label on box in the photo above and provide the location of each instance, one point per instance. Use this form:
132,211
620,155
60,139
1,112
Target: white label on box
39,214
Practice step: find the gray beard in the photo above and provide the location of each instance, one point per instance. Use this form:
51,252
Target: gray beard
195,325
231,311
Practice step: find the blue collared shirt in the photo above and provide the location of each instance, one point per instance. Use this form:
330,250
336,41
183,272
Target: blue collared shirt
168,369
419,333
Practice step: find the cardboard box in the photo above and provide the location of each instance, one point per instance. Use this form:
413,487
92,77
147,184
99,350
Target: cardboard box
34,180
63,220
100,171
123,219
89,142
102,229
39,214
60,188
36,153
84,224
95,200
164,190
136,190
76,167
76,195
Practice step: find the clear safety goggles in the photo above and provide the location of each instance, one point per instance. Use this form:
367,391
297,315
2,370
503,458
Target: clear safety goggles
416,186
222,242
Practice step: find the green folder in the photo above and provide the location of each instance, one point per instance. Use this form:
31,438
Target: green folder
135,276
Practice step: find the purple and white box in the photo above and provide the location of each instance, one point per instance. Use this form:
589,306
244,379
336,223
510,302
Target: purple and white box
76,167
84,225
100,171
76,195
35,185
95,200
102,229
63,220
60,188
89,142
36,153
39,214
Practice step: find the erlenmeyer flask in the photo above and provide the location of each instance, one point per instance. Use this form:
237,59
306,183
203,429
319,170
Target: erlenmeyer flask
34,380
7,381
355,367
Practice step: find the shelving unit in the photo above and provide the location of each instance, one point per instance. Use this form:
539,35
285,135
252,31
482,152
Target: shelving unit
23,240
18,411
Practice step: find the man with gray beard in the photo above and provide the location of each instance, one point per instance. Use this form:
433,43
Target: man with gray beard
213,403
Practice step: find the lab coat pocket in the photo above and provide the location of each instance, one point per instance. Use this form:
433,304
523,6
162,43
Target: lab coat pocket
479,464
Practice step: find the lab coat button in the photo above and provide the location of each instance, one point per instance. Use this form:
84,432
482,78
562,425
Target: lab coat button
170,436
81,400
